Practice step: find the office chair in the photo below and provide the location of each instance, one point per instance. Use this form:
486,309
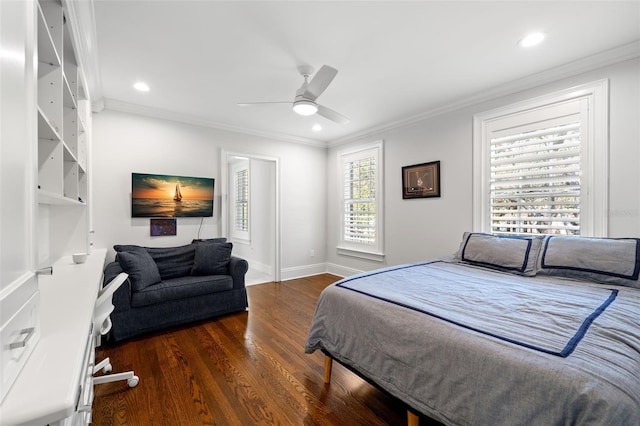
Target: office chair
101,326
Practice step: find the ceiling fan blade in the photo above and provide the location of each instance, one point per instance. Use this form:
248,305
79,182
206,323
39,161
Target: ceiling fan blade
244,104
332,115
320,82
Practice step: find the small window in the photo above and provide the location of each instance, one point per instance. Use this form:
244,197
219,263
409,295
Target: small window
239,200
242,200
361,202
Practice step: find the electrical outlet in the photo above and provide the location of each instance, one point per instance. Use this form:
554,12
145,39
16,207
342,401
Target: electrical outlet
312,252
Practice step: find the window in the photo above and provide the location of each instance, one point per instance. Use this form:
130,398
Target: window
361,202
241,184
540,167
240,200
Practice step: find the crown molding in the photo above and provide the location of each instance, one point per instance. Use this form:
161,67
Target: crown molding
116,105
81,17
609,57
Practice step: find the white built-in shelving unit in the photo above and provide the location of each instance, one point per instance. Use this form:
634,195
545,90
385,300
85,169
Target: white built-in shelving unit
64,118
62,112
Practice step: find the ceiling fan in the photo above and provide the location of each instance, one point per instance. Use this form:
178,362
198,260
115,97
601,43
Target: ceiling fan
304,102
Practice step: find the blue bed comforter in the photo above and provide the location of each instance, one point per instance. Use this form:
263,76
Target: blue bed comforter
472,346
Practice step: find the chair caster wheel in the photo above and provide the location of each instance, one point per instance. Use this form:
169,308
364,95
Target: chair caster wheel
107,368
133,382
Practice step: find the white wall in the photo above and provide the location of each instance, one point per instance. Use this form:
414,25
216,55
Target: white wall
414,229
124,143
419,229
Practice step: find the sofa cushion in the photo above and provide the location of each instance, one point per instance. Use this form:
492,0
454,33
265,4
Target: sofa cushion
209,240
172,262
212,258
181,288
141,268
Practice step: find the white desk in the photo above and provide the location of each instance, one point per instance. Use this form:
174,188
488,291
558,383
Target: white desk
48,387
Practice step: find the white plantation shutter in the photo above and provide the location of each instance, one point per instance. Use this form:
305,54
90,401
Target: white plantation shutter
540,166
241,183
361,202
535,181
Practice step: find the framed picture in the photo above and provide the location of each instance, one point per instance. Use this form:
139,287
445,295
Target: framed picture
171,196
161,227
421,180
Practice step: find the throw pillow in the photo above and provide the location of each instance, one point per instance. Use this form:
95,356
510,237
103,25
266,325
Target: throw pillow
141,268
172,262
212,259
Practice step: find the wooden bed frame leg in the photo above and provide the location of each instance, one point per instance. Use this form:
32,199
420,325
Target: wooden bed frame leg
328,363
412,419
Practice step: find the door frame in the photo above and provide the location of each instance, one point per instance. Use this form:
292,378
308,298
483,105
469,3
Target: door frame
225,158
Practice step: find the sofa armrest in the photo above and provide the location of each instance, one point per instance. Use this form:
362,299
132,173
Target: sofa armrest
122,297
238,267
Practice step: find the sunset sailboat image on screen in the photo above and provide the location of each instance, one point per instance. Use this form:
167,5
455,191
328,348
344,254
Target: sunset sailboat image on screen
178,195
171,196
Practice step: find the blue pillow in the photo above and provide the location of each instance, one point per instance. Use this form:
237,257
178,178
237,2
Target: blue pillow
172,262
141,268
212,258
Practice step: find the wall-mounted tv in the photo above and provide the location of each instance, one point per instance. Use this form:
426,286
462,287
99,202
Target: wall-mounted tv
171,196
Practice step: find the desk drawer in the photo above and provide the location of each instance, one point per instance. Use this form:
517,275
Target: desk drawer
18,338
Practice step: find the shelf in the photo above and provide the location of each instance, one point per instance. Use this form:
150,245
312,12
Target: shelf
68,153
69,98
49,33
50,94
45,130
45,197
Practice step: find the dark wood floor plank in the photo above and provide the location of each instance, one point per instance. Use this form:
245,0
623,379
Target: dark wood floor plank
247,368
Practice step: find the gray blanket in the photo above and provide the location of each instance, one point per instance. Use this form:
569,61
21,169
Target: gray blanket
468,377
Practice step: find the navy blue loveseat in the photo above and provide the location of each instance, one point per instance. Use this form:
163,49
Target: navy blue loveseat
170,286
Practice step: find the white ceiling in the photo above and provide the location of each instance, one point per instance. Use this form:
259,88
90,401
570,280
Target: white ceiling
397,60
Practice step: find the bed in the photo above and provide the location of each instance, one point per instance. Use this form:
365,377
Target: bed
508,331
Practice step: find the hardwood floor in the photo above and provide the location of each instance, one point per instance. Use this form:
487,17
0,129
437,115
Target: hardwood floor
247,368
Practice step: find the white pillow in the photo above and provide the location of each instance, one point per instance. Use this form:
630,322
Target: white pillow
515,254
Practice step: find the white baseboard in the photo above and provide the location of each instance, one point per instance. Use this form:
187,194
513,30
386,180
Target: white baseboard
263,268
341,271
316,269
302,271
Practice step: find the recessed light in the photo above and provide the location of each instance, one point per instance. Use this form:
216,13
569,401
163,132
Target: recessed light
141,86
316,128
531,39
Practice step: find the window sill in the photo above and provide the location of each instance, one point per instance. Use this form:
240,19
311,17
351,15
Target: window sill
377,257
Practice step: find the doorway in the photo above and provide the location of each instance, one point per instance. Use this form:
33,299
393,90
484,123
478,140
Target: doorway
250,212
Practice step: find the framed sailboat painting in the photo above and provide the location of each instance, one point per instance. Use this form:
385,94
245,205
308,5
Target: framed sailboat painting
171,196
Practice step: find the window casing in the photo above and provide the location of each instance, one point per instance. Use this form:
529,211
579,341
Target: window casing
360,180
540,167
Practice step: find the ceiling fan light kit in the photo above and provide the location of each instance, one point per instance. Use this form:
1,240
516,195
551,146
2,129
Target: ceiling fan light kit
304,102
305,107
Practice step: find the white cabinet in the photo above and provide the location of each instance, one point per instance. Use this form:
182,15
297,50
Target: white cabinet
44,143
55,387
19,297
